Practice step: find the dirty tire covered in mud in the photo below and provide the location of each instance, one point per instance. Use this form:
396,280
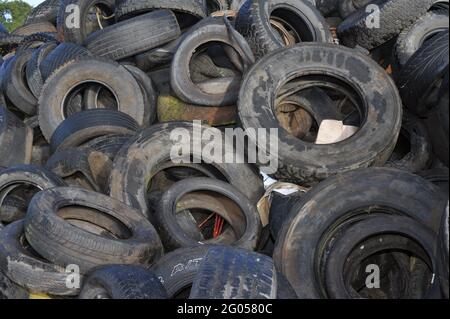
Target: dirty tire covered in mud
306,162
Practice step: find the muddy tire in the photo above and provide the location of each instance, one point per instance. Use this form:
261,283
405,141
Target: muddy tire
134,240
27,269
253,22
177,269
224,269
304,162
395,16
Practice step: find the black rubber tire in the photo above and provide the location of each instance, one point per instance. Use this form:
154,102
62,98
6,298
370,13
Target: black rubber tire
15,86
426,68
10,290
395,16
47,11
88,22
63,244
337,201
3,30
62,54
307,163
34,77
280,208
12,208
130,176
148,91
25,175
122,282
87,125
16,140
134,36
97,70
438,128
173,235
177,270
229,273
83,168
409,234
27,269
129,8
410,40
253,22
181,82
419,156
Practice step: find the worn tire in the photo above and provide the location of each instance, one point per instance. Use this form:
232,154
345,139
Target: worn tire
177,270
411,39
181,81
175,237
408,236
129,8
24,175
60,242
16,140
229,273
304,237
424,70
62,54
87,125
419,156
35,27
253,22
122,282
307,163
150,31
131,174
97,70
27,269
395,16
15,86
83,168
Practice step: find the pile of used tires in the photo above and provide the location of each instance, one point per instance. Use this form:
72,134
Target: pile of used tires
92,206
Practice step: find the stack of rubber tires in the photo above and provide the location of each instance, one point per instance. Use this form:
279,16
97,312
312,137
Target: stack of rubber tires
93,204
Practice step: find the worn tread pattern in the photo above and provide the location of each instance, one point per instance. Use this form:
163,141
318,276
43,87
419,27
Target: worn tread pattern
134,36
395,16
227,273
